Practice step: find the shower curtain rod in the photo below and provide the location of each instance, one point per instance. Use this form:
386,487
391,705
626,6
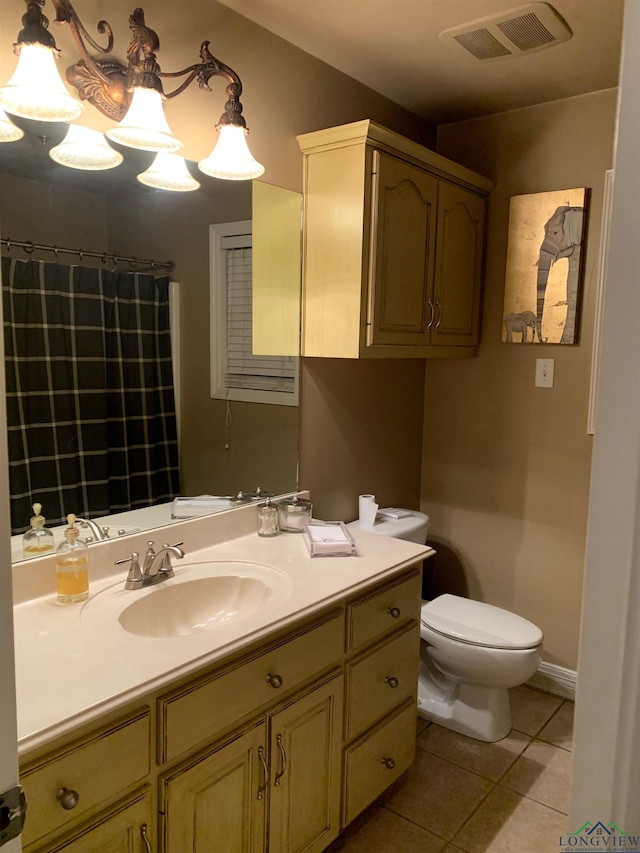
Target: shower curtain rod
106,257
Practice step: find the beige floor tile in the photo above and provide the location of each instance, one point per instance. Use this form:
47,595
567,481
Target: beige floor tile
559,729
421,725
436,795
380,831
531,709
490,760
506,822
542,773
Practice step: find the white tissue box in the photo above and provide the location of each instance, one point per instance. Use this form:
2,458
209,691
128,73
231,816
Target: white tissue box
329,539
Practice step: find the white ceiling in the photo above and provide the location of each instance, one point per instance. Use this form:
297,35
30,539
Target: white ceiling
393,47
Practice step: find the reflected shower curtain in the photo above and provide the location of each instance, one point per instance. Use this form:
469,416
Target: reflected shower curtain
90,407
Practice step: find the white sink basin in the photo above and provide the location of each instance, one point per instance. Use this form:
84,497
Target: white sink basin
195,606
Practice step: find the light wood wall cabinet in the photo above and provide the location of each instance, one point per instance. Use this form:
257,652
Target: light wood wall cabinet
276,748
392,248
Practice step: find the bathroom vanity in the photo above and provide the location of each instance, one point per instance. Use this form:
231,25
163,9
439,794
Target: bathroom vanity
274,729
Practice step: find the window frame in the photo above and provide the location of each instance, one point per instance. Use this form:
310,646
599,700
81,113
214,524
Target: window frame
218,325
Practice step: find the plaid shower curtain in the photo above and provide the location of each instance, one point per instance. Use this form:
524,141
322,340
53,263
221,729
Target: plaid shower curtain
90,406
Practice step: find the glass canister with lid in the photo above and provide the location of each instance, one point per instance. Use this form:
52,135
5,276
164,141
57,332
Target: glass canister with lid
293,514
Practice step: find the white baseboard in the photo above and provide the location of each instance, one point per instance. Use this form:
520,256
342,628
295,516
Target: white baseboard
555,679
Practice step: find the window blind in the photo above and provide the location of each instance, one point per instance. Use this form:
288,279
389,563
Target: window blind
245,370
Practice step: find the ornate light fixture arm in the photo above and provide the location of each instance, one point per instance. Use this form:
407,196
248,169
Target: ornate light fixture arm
66,14
209,67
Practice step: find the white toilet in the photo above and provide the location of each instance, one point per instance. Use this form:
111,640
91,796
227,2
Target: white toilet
471,653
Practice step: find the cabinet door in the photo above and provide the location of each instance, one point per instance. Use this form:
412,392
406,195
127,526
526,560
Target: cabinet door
122,830
403,229
218,801
458,273
305,771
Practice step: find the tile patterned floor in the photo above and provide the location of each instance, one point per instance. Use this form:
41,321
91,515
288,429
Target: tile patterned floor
465,796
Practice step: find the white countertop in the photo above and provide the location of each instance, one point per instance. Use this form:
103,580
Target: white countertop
75,662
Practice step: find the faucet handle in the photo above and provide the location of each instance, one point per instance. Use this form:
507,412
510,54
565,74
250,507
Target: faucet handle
134,578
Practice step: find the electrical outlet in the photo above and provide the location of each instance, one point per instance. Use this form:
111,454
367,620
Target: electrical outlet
544,372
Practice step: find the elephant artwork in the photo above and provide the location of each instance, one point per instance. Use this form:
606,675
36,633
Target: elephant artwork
519,323
540,292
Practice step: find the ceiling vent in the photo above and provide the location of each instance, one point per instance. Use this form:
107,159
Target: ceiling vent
523,30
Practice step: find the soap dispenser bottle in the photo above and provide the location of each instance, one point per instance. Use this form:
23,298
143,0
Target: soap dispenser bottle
38,539
72,565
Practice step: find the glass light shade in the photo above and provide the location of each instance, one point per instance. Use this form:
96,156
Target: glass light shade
83,148
9,132
36,89
145,126
231,158
169,172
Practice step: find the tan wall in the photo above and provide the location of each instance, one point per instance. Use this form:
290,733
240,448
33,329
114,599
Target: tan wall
505,470
361,433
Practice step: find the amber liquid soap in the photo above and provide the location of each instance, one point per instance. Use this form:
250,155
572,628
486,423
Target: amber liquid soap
72,564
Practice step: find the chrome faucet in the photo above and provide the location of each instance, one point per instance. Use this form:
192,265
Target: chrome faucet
156,567
99,533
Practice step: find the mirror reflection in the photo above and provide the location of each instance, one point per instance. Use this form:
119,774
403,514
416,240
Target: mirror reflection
228,443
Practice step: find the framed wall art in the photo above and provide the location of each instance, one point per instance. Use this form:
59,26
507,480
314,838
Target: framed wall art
544,273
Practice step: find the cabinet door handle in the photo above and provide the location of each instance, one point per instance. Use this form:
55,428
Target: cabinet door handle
145,838
274,680
265,770
394,612
392,681
439,307
433,314
68,798
283,760
389,763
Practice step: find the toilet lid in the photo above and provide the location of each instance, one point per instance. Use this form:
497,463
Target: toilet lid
480,624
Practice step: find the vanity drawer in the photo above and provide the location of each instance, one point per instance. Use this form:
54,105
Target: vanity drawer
98,769
383,610
201,710
377,760
382,679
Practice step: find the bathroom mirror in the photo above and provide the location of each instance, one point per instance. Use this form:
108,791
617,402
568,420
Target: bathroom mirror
225,447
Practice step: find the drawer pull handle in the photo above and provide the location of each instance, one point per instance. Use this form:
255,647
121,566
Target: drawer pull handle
274,680
265,770
145,838
283,759
392,681
394,612
68,798
389,763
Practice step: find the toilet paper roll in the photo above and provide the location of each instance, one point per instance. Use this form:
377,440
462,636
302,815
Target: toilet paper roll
368,509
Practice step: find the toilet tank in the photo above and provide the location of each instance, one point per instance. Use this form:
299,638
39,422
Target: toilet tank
413,527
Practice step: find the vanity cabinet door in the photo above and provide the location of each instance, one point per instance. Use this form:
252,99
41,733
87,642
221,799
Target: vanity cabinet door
458,273
305,758
217,801
404,201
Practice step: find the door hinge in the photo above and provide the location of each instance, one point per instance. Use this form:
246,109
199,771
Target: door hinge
13,812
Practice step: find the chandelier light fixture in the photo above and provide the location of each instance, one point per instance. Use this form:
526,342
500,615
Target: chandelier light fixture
132,95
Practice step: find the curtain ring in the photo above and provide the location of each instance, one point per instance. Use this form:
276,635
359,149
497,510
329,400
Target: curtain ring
55,253
153,263
29,247
133,263
114,261
104,259
8,244
81,254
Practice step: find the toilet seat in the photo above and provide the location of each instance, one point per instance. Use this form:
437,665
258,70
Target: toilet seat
479,624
